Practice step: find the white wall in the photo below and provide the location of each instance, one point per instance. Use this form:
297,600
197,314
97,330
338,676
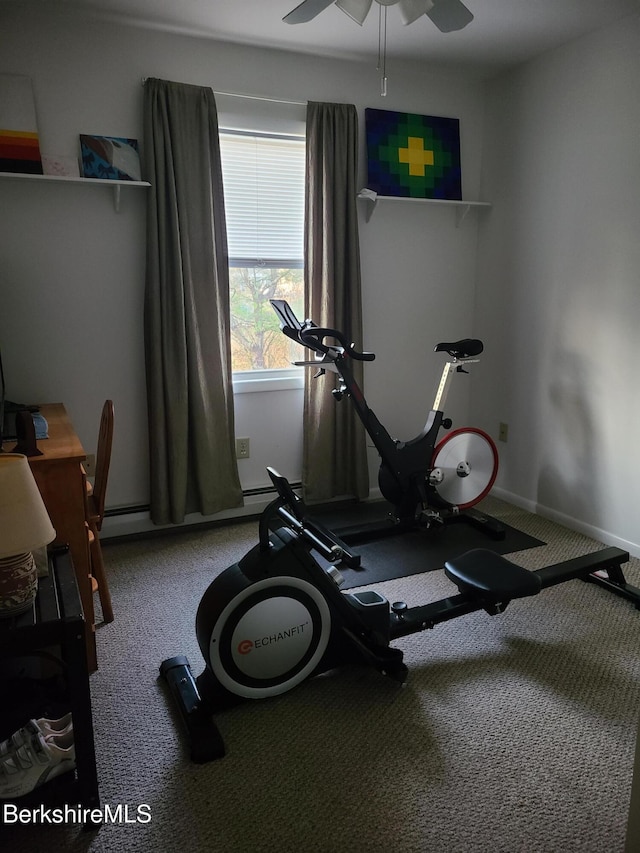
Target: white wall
72,270
559,282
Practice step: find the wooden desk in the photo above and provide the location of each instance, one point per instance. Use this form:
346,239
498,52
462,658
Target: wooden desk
58,473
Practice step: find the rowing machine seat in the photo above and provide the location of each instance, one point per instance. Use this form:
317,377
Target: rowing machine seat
487,576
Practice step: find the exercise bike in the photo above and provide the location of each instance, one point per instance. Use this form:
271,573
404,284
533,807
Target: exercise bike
427,482
278,616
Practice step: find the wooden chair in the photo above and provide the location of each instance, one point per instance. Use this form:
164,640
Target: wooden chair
94,508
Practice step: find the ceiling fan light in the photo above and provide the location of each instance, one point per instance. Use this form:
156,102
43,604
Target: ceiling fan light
411,10
449,15
357,10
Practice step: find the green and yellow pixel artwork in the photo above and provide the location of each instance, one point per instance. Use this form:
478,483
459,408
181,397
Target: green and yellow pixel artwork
412,155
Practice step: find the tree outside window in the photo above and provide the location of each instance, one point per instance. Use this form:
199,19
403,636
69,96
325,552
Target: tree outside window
257,342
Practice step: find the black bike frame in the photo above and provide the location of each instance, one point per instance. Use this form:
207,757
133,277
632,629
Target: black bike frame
405,466
404,475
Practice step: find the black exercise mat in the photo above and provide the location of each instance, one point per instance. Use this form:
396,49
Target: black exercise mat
416,551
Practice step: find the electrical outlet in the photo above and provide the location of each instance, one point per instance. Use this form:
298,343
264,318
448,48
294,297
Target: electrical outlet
503,432
242,448
89,465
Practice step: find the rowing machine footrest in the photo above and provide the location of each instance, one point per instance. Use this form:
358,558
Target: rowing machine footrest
204,737
488,576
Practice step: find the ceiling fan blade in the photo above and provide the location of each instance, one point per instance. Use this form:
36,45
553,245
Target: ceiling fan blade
355,9
411,10
449,15
306,11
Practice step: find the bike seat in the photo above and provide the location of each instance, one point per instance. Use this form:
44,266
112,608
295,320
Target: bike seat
487,576
466,348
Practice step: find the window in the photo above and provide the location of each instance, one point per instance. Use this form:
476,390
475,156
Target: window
263,178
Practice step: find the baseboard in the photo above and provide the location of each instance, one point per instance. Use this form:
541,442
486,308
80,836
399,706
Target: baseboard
136,523
130,523
125,522
597,533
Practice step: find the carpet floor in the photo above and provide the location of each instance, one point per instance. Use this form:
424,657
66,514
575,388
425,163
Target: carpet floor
513,734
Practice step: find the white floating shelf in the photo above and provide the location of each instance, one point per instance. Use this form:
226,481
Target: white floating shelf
462,207
114,185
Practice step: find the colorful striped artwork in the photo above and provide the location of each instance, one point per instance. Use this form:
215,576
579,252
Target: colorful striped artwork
413,156
20,152
19,143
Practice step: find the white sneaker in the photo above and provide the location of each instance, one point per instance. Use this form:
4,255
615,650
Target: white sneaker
47,728
35,762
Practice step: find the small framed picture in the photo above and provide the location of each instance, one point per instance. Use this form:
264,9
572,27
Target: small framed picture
111,158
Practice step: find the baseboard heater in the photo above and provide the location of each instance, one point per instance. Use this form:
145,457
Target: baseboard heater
134,509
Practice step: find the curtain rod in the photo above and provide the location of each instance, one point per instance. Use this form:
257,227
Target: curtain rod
253,97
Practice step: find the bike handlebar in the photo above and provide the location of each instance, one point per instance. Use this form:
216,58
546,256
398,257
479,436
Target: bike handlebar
313,337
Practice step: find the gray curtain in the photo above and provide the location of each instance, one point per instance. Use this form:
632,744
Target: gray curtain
334,449
186,311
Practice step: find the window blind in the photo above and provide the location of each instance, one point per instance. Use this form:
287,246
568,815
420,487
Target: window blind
264,198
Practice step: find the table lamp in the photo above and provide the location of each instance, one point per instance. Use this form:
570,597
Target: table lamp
24,526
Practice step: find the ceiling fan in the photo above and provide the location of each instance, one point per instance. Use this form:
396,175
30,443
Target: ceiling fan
447,15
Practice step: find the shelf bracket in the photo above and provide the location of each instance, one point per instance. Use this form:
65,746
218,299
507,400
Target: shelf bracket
461,214
372,200
370,208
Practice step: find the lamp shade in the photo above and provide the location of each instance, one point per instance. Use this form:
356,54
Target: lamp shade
24,522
